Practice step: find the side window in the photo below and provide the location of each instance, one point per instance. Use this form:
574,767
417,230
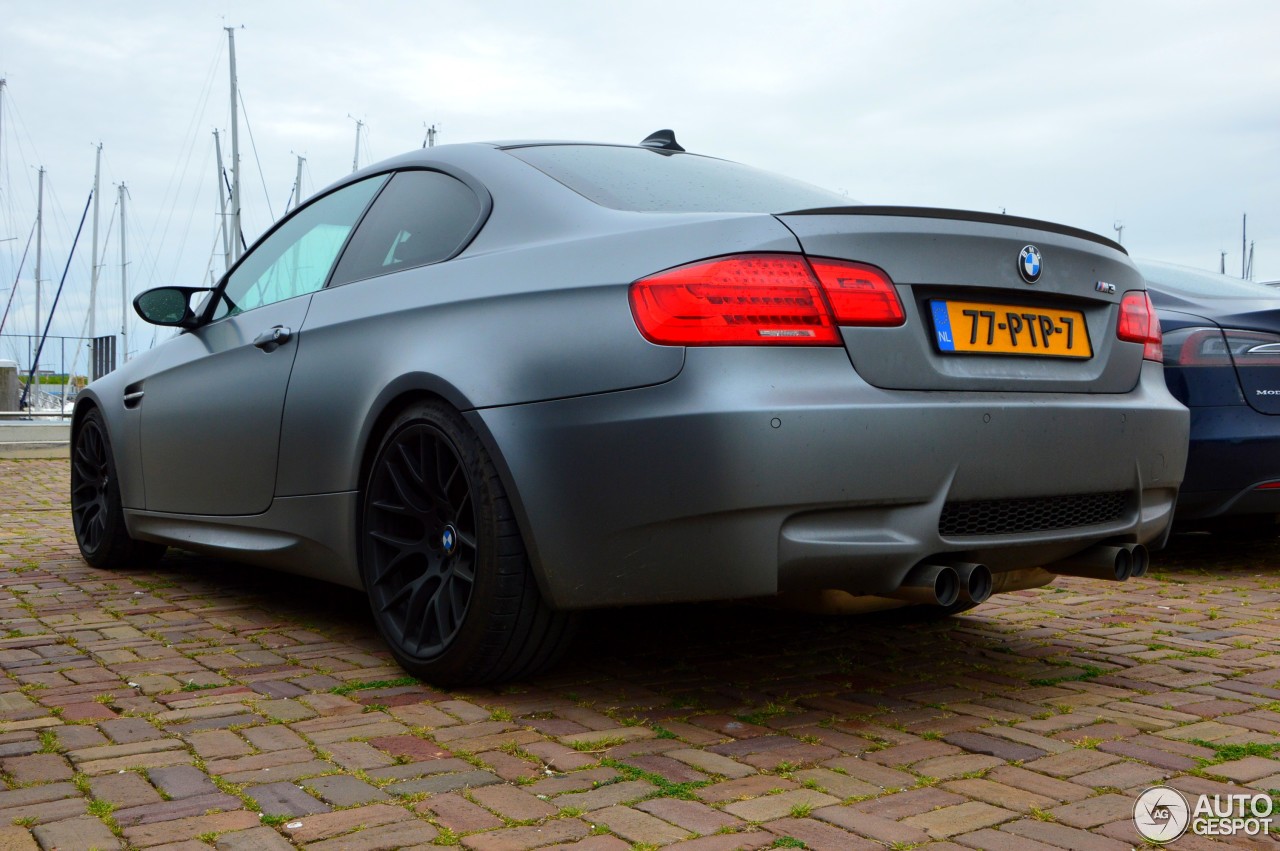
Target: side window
422,217
296,259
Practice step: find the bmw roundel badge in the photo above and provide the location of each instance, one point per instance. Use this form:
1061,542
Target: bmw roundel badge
448,540
1029,264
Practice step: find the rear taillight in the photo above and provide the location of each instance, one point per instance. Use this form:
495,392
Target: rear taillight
1221,347
1139,324
859,294
762,299
1253,348
1196,347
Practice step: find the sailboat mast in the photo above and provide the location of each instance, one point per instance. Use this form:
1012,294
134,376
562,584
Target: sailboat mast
235,150
93,263
3,83
222,206
124,286
355,160
297,184
35,367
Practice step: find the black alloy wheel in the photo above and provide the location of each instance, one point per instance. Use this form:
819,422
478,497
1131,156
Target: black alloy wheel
443,561
421,528
90,480
97,511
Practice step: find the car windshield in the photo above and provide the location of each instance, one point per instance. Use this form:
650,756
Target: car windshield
653,181
1184,281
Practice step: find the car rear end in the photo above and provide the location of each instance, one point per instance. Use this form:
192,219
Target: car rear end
903,389
1222,360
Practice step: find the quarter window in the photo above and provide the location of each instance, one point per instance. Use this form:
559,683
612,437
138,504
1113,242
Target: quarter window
421,217
296,258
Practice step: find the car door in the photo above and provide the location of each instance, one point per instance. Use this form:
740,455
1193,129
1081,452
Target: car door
211,407
373,322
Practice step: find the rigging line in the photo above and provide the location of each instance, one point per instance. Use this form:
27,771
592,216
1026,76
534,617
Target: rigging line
227,182
61,229
245,112
75,360
14,291
20,130
31,377
186,230
167,204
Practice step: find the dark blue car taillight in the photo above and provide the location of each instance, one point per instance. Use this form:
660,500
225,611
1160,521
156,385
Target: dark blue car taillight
1206,367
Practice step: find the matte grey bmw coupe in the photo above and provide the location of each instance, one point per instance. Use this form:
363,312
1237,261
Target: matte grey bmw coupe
493,384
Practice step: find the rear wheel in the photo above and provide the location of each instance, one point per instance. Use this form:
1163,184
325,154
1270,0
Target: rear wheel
97,512
443,562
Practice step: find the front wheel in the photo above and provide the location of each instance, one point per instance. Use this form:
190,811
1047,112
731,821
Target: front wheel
442,559
97,511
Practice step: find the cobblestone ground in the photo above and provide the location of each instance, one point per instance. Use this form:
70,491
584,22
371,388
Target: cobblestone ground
207,705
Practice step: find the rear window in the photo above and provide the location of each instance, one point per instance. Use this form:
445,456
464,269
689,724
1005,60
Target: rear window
649,181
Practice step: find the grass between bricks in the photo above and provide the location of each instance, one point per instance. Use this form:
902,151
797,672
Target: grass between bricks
368,684
1230,753
665,788
1087,672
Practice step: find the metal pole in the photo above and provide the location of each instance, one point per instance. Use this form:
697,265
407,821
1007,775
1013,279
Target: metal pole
297,184
222,206
93,263
355,161
235,151
35,367
124,285
3,83
1244,238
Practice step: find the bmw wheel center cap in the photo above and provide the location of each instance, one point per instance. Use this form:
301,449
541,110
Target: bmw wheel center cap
449,540
1029,264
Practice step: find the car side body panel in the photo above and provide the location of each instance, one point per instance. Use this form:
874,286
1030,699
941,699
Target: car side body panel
496,329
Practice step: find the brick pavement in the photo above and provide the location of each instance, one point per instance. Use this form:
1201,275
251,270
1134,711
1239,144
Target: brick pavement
205,705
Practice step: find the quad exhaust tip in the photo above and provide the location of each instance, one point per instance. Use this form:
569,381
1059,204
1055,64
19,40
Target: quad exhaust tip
931,584
940,584
975,581
1105,562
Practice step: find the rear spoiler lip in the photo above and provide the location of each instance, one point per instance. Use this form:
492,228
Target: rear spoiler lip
959,215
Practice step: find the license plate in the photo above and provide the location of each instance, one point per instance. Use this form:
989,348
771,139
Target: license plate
1004,329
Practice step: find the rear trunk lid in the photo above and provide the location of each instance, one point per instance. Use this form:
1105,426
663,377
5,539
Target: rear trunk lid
974,321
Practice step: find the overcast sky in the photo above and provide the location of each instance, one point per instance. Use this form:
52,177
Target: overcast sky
1163,116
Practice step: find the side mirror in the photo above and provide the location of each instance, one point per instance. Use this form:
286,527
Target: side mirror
169,306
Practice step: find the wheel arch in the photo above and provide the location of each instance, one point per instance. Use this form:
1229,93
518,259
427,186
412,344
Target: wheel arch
84,404
413,389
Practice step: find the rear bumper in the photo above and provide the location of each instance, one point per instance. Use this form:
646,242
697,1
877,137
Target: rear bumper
760,470
1233,450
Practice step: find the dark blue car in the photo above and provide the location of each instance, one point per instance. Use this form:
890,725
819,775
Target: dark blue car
1222,360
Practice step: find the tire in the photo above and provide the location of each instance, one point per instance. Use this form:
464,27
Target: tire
97,511
443,562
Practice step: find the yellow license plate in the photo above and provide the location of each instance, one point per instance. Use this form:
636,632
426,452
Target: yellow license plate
975,327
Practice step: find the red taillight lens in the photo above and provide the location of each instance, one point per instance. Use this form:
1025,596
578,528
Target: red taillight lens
1139,324
859,294
1196,347
749,299
762,299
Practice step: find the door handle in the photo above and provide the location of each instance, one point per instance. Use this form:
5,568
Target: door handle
273,338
